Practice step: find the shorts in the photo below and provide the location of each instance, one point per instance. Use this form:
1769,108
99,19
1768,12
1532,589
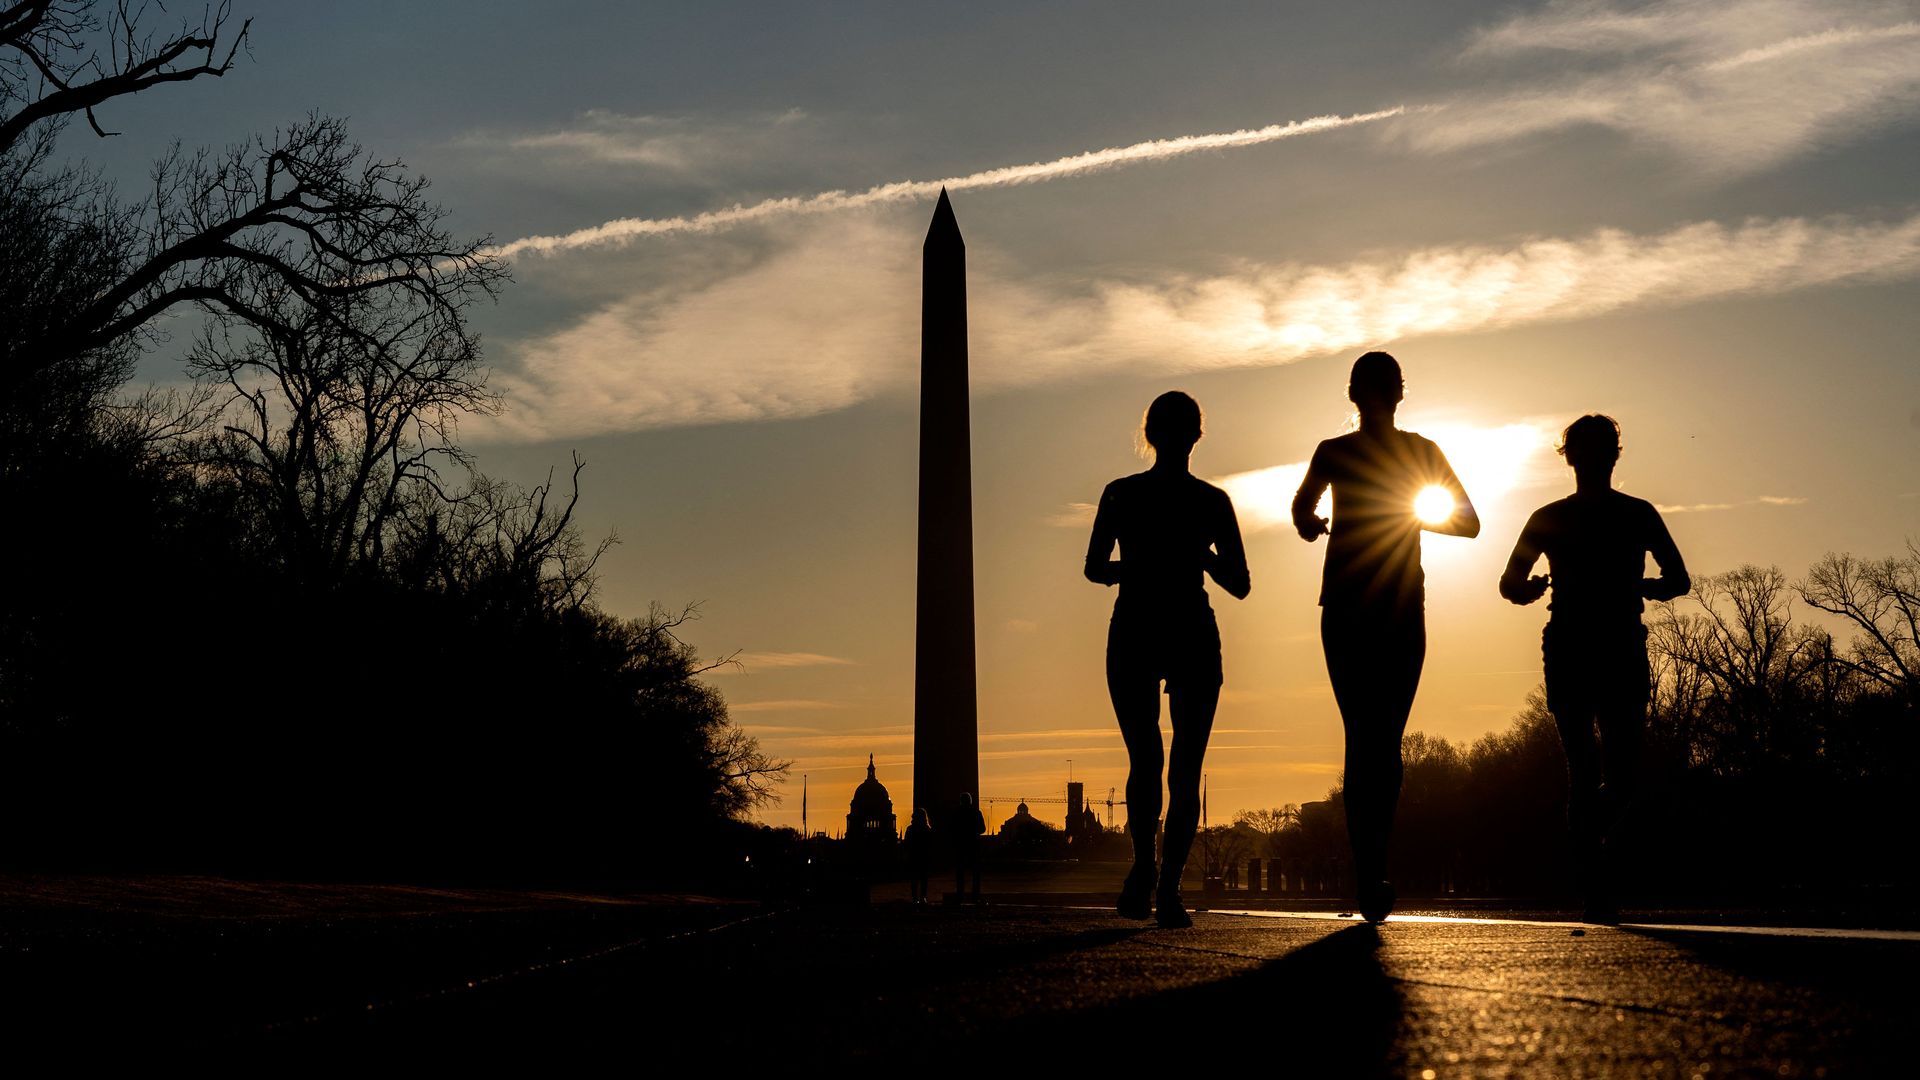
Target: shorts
1595,669
1185,652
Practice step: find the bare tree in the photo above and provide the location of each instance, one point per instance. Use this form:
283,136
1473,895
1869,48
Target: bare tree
1742,641
338,301
1270,823
70,56
1881,598
306,208
1222,846
667,691
339,411
503,547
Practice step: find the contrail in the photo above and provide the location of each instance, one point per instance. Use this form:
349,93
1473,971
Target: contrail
622,230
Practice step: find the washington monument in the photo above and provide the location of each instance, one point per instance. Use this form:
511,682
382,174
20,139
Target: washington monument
946,758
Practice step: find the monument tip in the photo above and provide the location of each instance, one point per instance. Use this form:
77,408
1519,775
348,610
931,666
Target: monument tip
945,227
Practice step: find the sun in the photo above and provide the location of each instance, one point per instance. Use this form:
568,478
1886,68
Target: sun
1433,505
1490,462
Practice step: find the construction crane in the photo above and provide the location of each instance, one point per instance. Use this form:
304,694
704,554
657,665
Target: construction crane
1111,802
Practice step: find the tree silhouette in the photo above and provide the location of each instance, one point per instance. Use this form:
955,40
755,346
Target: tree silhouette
1223,846
1736,633
340,414
287,626
58,68
1881,598
1271,824
305,209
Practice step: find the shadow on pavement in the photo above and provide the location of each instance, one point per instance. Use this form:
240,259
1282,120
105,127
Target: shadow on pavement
992,992
1851,1003
1324,1009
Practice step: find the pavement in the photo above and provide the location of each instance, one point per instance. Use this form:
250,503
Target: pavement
1017,989
245,974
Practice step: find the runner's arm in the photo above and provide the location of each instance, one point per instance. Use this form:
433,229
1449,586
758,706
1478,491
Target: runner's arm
1311,526
1673,580
1228,561
1101,568
1515,585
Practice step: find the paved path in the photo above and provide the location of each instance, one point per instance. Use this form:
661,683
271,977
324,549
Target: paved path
1008,989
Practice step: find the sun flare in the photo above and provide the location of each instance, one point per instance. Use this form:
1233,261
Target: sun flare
1433,505
1490,462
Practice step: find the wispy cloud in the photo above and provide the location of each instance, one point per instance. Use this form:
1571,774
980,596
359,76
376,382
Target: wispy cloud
1263,498
1094,733
829,319
671,144
1692,508
1701,508
1697,28
1731,85
1825,39
784,705
1074,515
623,230
749,662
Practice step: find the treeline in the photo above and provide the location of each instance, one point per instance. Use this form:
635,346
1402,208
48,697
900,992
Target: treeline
1779,764
274,620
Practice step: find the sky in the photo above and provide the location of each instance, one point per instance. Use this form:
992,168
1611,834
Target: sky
1698,217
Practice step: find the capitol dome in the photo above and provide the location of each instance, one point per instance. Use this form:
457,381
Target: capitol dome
870,816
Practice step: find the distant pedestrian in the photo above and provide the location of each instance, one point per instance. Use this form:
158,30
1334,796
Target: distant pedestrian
919,842
1594,647
964,828
1173,530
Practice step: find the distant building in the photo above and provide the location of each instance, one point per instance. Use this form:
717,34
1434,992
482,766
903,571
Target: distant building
1025,833
1082,822
870,819
1021,824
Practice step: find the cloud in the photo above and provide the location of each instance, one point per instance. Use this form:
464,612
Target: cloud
1074,515
1095,733
1696,28
1733,86
677,145
828,317
624,230
748,661
786,705
1263,498
1701,508
1692,508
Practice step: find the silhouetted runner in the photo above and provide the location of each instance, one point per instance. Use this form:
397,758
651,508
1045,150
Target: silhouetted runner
1373,598
1594,647
1173,529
